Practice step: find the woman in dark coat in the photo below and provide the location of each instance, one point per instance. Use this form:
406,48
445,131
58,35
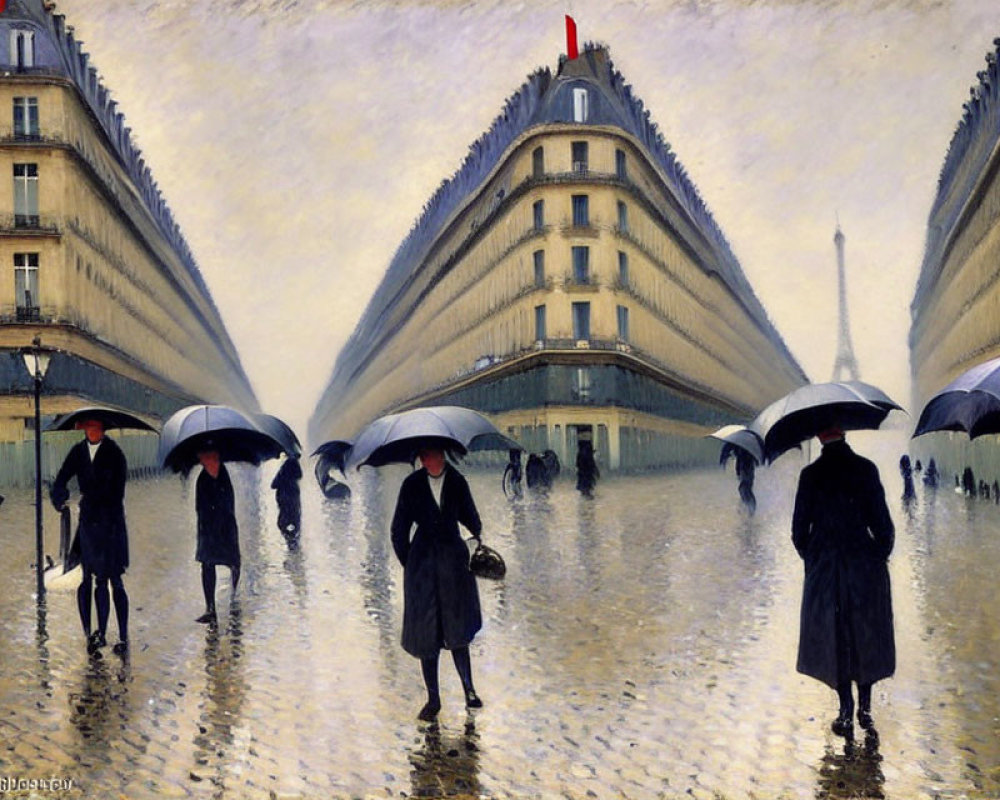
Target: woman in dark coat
587,472
842,529
218,535
441,601
101,541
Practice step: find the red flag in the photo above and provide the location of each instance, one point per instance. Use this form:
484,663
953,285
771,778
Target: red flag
571,50
3,6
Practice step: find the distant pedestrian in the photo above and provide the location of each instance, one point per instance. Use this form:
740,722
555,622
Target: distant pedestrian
587,472
842,530
535,473
512,474
931,475
918,466
906,471
745,469
440,599
288,497
101,541
969,482
996,492
218,535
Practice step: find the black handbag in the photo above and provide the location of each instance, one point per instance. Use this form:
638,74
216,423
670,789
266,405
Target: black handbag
487,563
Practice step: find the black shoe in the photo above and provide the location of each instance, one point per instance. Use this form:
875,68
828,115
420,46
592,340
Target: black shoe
865,719
430,710
121,648
842,726
472,699
208,617
95,642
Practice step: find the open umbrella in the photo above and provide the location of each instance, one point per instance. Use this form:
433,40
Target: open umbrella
739,436
970,403
334,453
109,417
395,438
815,407
232,433
279,430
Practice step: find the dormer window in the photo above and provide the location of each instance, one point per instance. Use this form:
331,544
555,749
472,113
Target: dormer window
581,105
22,48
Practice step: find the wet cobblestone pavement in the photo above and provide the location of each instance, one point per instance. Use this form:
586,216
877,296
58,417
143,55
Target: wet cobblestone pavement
642,646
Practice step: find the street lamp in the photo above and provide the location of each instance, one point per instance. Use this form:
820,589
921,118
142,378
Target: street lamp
37,362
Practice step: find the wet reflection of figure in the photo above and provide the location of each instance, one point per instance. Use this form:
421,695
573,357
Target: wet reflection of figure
286,491
101,542
441,601
842,530
587,472
218,535
101,697
745,468
907,472
856,772
446,765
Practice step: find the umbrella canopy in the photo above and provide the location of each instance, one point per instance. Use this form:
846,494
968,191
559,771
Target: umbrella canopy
739,436
970,403
334,453
232,433
110,417
279,430
815,407
395,438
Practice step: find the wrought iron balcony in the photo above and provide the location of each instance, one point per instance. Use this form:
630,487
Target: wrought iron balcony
28,224
28,314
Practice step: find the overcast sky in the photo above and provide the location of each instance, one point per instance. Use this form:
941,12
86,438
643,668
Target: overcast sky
297,140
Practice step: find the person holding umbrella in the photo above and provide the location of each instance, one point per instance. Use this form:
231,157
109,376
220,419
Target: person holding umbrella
289,498
101,539
441,601
842,530
218,535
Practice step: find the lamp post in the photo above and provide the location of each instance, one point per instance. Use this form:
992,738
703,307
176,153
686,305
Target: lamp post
37,362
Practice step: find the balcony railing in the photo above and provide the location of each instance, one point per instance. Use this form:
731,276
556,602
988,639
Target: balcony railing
28,314
581,283
28,224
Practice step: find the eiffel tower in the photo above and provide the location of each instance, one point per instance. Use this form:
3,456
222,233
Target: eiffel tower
845,361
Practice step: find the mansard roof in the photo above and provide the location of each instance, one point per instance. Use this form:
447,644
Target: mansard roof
969,152
57,52
544,99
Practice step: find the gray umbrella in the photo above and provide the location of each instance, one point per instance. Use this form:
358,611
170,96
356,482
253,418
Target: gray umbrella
233,434
279,431
109,417
970,403
739,436
395,438
815,407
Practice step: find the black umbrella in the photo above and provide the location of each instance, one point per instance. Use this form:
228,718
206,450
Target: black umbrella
233,434
396,438
109,417
742,437
970,403
280,431
815,407
334,453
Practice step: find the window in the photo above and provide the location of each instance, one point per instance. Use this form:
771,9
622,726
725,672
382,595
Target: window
539,256
26,285
581,264
579,155
539,323
581,210
581,321
581,383
623,323
623,268
622,216
581,105
538,214
621,168
26,117
26,195
538,162
22,48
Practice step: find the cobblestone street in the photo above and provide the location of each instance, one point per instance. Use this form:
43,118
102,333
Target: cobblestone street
642,646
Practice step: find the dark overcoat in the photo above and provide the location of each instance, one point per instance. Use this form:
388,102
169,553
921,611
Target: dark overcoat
842,529
440,597
215,504
287,495
101,535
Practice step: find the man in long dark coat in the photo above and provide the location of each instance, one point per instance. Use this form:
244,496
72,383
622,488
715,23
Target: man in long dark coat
218,535
745,468
101,540
441,601
842,529
288,497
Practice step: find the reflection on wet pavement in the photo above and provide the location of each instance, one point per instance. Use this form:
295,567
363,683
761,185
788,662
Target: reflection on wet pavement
642,645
